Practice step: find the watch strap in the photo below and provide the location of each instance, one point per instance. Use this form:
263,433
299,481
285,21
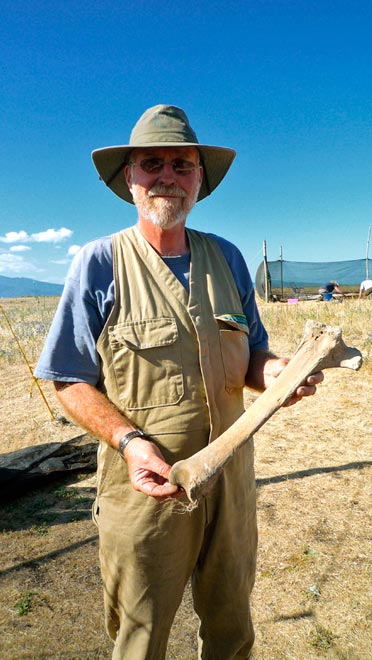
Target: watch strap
137,433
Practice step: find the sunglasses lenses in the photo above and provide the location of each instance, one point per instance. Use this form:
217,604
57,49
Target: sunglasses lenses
155,166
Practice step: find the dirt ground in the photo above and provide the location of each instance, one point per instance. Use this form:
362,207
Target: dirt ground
313,594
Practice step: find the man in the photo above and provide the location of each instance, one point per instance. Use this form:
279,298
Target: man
149,351
365,289
329,289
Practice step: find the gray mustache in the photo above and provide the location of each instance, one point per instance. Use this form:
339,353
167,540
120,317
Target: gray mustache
175,191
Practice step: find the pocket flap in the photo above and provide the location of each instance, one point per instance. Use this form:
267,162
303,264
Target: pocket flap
145,334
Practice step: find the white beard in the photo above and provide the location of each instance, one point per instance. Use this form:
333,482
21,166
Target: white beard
164,213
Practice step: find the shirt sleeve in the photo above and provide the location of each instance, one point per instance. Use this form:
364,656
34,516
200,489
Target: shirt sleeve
69,353
258,337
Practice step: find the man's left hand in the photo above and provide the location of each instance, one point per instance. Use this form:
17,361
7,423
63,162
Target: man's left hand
275,366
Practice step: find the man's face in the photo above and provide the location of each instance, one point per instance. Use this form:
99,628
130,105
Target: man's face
165,183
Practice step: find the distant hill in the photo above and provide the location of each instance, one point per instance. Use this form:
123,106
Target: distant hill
18,287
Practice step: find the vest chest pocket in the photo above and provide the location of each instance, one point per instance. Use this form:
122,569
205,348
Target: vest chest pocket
234,349
146,356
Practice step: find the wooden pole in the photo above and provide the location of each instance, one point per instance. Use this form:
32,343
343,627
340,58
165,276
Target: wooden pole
266,272
367,250
281,271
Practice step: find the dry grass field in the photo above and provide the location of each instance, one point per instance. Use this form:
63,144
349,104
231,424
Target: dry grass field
313,593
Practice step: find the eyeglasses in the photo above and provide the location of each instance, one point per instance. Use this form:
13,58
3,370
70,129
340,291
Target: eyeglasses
155,166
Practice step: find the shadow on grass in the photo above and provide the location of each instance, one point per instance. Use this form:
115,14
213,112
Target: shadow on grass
34,563
301,474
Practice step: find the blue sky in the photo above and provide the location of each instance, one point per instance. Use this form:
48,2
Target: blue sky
288,84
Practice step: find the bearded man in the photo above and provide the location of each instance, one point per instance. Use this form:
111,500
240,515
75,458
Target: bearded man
155,337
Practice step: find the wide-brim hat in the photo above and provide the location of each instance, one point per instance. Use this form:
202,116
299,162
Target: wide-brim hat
161,126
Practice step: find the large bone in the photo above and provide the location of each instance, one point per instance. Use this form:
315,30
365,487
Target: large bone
322,347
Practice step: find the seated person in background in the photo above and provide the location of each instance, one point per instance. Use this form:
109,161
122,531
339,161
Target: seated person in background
365,288
329,289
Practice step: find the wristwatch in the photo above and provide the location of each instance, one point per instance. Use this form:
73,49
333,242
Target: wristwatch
137,433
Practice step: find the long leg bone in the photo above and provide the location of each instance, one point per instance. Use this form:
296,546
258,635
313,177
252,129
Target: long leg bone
322,347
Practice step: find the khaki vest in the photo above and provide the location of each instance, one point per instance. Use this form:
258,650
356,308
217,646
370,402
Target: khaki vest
173,362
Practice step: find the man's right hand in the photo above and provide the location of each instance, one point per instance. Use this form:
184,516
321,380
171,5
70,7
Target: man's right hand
148,472
91,409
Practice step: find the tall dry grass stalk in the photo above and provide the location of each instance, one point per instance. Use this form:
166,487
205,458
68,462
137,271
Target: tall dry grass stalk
30,319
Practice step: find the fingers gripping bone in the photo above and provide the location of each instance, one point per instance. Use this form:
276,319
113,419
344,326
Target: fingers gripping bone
322,347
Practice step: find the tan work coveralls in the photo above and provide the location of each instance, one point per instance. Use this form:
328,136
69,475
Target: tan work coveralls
175,364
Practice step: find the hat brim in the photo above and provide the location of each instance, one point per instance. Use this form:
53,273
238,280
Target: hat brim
110,161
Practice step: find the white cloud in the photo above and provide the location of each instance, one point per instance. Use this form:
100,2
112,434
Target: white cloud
47,236
52,235
7,258
11,264
19,248
15,237
15,259
74,249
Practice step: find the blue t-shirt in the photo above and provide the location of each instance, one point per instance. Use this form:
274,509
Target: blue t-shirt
70,354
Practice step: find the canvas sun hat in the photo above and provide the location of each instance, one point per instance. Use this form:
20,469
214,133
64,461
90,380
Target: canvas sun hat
161,126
